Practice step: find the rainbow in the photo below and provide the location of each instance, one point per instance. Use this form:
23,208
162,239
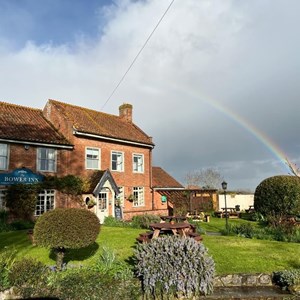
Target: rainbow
255,132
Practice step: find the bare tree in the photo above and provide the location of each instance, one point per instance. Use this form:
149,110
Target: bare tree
209,178
293,168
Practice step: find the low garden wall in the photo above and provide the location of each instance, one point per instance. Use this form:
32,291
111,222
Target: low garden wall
260,279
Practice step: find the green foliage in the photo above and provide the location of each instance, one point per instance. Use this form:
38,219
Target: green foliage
175,266
7,259
245,230
66,228
144,221
107,263
4,226
286,278
282,233
29,278
87,284
21,200
21,225
113,222
69,184
278,196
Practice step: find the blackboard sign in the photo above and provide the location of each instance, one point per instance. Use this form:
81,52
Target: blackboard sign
118,212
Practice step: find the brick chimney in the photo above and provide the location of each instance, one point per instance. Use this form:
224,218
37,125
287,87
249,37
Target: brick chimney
125,112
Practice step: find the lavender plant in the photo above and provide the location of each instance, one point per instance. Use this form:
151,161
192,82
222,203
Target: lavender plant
175,266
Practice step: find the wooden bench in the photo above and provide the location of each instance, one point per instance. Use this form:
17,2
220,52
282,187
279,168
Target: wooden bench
196,236
145,237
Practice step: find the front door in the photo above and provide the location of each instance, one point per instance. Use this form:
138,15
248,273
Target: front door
102,206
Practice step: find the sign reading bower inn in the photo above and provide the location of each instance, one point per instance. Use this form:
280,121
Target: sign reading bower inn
20,176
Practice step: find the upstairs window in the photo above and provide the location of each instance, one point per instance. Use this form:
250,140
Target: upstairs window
138,196
138,163
3,156
46,159
92,158
117,161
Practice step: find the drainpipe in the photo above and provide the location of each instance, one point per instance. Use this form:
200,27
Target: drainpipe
150,171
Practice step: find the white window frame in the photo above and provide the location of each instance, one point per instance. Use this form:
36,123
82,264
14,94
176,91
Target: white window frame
2,199
96,161
4,156
138,163
103,201
119,161
45,202
138,196
48,159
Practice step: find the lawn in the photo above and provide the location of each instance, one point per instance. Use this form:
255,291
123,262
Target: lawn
231,254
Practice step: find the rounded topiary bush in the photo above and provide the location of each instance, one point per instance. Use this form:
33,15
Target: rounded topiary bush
175,266
278,196
64,228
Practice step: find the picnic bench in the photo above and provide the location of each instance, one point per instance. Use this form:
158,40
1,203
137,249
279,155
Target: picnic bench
231,213
250,209
183,229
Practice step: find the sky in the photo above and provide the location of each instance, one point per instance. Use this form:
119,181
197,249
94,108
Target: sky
214,82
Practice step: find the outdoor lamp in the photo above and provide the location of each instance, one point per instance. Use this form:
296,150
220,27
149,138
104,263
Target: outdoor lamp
224,187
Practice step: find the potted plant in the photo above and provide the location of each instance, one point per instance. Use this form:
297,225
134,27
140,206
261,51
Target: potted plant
130,198
91,203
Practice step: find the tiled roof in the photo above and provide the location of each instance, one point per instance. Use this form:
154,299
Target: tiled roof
161,179
27,124
101,124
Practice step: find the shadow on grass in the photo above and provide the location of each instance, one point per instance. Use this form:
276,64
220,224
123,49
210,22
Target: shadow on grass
77,254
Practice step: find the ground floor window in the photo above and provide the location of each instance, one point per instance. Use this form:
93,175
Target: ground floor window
2,199
138,196
45,202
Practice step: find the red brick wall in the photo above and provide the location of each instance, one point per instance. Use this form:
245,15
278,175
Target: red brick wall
19,157
127,179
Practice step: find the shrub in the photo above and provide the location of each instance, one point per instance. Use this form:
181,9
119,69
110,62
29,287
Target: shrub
286,278
113,222
278,196
245,230
60,229
21,200
29,278
4,226
175,266
86,284
7,259
144,221
21,225
107,263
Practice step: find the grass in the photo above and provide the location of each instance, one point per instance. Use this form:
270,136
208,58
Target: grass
231,254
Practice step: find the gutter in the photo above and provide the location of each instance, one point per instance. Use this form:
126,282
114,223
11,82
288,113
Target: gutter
90,135
38,144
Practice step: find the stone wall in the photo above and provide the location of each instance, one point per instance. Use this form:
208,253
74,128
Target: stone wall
260,279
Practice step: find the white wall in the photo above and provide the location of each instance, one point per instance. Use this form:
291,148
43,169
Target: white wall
232,200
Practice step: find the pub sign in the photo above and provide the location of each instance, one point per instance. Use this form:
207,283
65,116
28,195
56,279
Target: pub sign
20,176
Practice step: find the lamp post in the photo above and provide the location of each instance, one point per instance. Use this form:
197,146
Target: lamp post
224,187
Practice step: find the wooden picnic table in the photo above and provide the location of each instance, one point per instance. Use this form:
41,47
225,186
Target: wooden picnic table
176,228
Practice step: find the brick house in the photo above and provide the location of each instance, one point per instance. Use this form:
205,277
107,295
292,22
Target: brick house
64,139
